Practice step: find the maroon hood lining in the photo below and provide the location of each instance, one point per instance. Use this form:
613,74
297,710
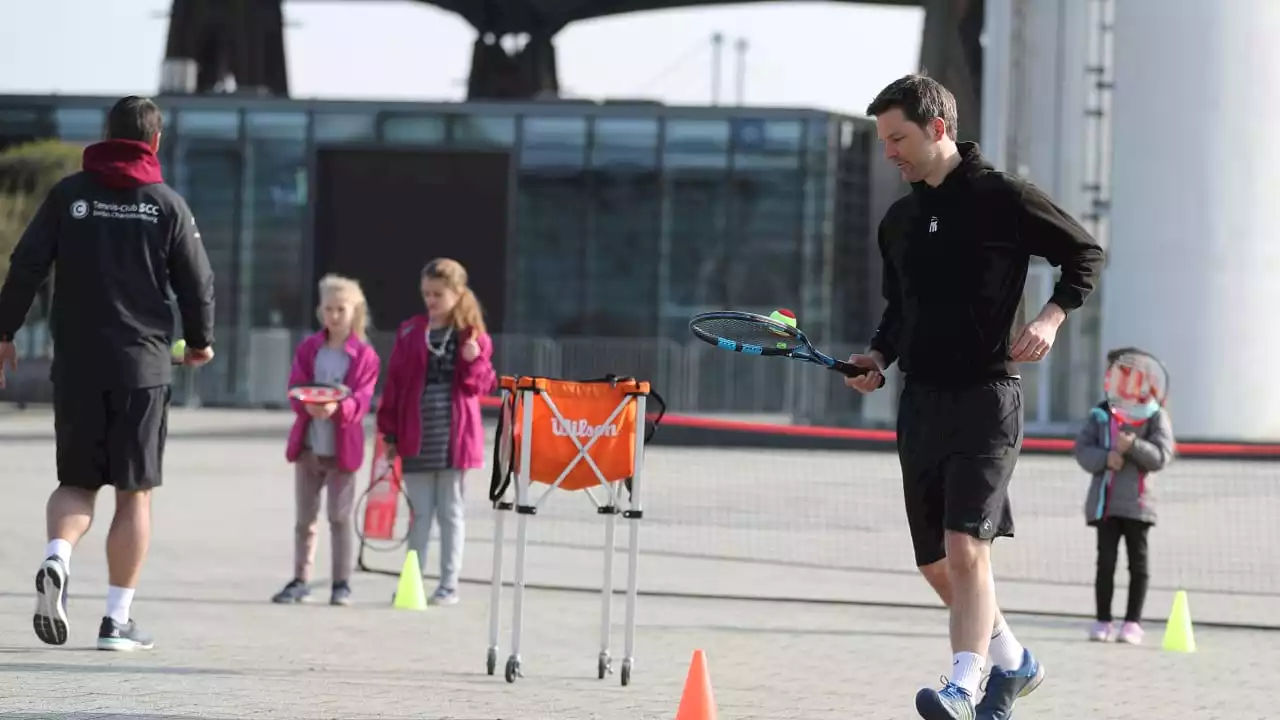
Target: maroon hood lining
122,164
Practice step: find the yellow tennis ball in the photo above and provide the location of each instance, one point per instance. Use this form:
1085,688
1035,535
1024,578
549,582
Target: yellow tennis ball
784,316
179,349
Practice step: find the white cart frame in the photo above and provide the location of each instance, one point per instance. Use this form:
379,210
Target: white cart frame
529,391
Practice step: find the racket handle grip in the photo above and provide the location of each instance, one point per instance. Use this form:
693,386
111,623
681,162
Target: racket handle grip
854,371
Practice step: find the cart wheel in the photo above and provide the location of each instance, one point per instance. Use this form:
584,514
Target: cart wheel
491,662
626,672
604,666
513,669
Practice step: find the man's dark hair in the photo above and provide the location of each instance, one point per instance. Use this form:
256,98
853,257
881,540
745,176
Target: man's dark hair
134,118
920,98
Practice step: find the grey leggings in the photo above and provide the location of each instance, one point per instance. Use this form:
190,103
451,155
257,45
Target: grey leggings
313,476
439,496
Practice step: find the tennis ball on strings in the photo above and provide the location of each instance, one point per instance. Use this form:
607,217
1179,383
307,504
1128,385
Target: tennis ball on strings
179,350
785,317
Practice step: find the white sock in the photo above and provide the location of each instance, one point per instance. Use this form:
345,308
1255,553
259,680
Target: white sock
61,548
966,671
118,601
1005,650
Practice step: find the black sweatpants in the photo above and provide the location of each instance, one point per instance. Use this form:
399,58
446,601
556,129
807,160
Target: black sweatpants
958,448
1134,532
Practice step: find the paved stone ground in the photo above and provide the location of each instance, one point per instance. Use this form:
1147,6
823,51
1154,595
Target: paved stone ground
222,546
815,525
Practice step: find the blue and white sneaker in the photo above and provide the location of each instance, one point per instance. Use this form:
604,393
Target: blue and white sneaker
50,620
952,702
1004,687
125,637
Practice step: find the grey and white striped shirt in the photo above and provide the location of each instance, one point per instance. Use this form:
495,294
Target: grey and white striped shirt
435,404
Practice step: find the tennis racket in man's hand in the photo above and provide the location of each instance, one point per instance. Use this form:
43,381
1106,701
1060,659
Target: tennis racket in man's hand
867,382
754,334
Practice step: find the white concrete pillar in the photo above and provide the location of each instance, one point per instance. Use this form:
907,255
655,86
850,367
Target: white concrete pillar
1194,271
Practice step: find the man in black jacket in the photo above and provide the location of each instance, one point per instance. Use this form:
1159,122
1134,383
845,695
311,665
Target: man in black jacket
119,241
956,253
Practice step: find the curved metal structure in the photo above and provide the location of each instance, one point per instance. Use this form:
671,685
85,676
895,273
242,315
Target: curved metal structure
213,40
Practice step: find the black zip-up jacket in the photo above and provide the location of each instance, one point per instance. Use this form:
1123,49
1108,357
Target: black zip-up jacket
955,265
119,241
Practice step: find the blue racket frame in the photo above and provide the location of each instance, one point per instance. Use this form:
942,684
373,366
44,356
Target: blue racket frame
804,351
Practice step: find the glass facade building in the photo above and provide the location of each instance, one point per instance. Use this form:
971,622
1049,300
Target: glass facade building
614,223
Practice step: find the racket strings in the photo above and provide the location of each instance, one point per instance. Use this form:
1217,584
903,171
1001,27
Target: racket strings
1134,381
748,332
404,517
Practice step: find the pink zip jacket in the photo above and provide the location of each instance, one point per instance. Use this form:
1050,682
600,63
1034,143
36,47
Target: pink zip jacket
348,420
399,414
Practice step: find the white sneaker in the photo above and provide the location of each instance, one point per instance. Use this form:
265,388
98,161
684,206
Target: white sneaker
50,620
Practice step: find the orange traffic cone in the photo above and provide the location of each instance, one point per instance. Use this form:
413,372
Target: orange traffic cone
697,702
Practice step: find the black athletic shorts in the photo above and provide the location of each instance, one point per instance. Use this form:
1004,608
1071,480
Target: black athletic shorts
111,437
958,449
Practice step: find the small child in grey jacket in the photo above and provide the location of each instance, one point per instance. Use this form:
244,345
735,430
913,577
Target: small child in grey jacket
1122,457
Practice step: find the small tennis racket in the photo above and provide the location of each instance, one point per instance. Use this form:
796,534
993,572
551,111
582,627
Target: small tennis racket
319,393
754,334
385,512
1136,385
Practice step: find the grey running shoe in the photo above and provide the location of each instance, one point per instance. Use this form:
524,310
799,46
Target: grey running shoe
295,592
122,638
341,593
50,620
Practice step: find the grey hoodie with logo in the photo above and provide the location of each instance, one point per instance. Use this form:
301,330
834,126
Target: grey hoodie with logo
1130,492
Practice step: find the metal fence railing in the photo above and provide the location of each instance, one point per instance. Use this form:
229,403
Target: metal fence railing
251,369
799,523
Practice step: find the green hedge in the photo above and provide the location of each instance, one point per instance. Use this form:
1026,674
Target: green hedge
27,172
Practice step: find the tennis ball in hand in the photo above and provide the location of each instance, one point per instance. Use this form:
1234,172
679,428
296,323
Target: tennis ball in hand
179,350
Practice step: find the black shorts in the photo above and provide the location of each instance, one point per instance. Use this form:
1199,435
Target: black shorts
111,437
958,449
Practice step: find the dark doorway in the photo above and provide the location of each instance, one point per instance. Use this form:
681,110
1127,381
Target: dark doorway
382,213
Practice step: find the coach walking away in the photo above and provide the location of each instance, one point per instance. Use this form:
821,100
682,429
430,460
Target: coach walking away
120,240
956,251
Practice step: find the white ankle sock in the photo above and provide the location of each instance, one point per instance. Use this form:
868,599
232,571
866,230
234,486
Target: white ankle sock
966,671
1005,650
60,548
118,601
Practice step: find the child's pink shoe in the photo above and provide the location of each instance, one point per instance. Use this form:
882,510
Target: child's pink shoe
1101,632
1131,633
